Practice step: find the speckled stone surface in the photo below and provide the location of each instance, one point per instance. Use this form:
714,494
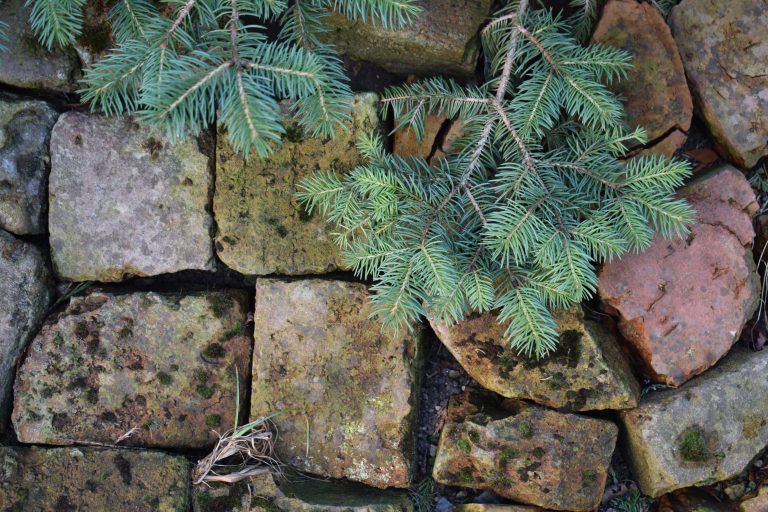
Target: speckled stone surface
27,64
725,53
25,131
683,302
441,40
69,479
527,453
587,372
261,227
163,364
656,91
25,295
477,507
298,494
124,202
337,378
707,431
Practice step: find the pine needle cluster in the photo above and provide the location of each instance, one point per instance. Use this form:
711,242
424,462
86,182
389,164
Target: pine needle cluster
537,193
183,64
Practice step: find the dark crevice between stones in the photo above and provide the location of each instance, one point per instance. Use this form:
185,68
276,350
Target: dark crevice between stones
61,101
439,142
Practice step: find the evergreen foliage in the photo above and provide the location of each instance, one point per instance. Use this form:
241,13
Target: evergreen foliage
179,65
535,195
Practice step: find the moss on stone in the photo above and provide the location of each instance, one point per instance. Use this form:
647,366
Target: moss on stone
589,476
464,445
465,476
204,391
525,429
220,304
538,452
508,454
164,378
213,420
693,445
237,330
214,351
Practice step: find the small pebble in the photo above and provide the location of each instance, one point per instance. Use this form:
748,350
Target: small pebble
759,463
454,374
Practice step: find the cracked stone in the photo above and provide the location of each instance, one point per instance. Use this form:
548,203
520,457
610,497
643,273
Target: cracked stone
725,53
25,131
656,91
707,431
587,372
124,202
525,452
347,389
440,135
162,364
69,479
261,227
25,295
683,302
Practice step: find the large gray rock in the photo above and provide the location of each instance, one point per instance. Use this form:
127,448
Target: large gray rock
124,202
707,431
588,371
297,493
725,53
261,227
346,390
25,294
442,40
27,64
161,366
80,479
25,131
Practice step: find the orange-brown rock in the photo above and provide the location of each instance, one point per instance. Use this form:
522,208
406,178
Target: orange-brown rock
656,91
683,302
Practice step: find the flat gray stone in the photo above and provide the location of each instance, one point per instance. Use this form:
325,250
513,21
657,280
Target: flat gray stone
707,431
25,131
25,294
28,65
124,202
725,53
80,479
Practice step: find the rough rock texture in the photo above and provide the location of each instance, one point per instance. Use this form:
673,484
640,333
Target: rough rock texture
476,507
25,294
656,92
164,364
439,138
683,302
298,494
725,52
441,40
527,453
707,431
693,500
261,227
25,130
587,372
757,503
69,479
28,65
320,359
124,202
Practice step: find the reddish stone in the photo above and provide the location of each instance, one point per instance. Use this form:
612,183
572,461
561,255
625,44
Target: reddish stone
683,302
656,91
434,144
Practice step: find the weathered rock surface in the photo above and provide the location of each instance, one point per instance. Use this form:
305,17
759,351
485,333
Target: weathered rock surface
346,388
527,453
124,202
693,500
64,479
440,135
707,431
758,503
25,294
476,507
587,372
683,302
27,64
262,494
656,91
163,364
725,53
261,227
25,130
441,40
